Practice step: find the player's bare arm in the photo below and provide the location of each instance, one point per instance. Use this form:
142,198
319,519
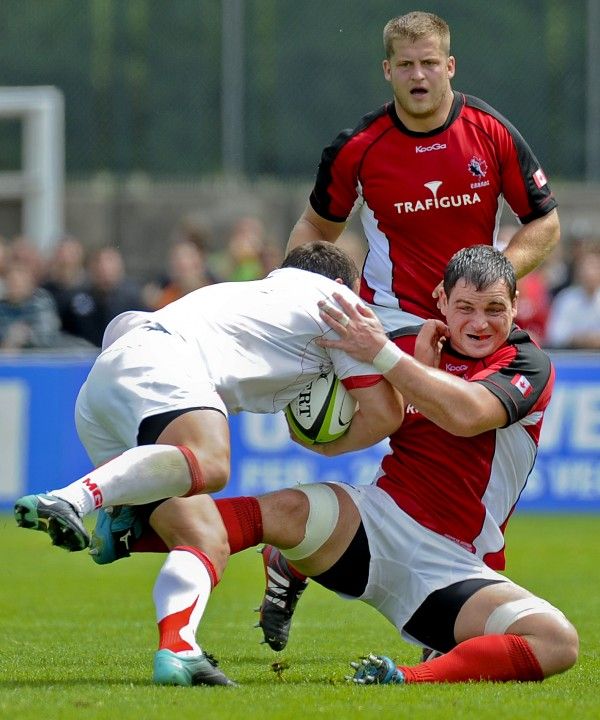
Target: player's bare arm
533,242
459,407
311,226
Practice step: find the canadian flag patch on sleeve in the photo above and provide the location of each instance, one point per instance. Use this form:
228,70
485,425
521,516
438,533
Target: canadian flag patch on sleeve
522,384
539,178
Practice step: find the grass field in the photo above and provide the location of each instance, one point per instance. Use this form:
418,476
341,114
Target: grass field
77,640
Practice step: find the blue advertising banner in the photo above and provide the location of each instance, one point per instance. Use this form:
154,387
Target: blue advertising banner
566,475
39,448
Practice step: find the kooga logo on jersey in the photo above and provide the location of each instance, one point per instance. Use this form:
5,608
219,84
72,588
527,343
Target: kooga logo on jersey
443,201
429,148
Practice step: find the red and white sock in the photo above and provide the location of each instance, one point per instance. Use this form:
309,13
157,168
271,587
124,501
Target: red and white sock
243,521
498,658
140,475
180,594
242,518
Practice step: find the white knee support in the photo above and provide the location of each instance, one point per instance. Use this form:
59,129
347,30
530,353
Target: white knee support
505,615
323,513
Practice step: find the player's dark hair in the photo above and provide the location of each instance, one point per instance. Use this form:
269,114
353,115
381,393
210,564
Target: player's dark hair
481,266
325,259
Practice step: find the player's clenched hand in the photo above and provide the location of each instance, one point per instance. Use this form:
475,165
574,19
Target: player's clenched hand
361,334
429,342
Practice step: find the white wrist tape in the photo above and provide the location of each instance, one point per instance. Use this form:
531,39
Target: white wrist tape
387,357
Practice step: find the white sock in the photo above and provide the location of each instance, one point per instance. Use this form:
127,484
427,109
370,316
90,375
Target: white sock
180,594
140,475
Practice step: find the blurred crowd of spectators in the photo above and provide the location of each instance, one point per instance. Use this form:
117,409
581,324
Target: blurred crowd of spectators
65,301
559,302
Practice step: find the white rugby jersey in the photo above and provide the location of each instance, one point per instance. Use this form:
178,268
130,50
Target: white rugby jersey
256,339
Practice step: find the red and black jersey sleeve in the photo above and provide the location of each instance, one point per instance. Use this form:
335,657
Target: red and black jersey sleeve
336,186
523,182
519,374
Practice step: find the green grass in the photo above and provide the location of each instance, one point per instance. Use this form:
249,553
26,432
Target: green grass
77,640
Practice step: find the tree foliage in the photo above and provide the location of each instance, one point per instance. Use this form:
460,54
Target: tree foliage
143,85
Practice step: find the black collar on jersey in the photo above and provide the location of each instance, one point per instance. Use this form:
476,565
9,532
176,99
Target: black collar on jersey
457,105
403,331
516,336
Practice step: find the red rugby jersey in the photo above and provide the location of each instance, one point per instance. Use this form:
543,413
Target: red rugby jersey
424,196
465,488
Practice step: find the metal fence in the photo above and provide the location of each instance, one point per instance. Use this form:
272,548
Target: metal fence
189,88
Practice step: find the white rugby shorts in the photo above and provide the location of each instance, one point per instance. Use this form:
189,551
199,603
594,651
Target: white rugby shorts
408,561
145,372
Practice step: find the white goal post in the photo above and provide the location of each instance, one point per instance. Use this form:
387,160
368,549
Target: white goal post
39,185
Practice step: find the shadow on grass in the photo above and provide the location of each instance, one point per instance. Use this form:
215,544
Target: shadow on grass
91,682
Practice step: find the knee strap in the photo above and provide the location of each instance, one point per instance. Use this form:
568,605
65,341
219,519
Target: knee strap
505,615
197,483
323,513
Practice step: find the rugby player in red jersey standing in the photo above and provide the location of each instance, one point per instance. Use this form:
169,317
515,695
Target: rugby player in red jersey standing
428,172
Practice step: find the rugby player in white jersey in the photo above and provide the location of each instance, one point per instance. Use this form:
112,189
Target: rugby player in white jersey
153,411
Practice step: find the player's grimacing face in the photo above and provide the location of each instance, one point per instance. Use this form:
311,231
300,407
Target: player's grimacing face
420,73
479,320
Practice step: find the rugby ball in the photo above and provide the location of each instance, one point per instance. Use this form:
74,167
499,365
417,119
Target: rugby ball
322,412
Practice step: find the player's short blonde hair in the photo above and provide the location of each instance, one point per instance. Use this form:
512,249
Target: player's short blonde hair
414,26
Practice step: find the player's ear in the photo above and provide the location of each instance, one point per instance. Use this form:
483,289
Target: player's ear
515,304
451,67
442,302
387,69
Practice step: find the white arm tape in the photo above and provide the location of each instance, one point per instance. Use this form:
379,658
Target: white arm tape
387,357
